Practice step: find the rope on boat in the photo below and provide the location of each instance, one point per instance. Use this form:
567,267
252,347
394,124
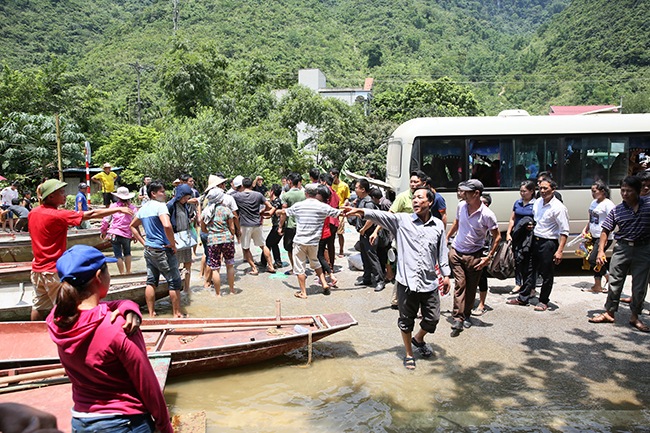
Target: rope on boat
310,352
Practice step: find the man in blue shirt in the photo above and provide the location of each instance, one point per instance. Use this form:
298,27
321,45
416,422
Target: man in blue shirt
159,248
81,203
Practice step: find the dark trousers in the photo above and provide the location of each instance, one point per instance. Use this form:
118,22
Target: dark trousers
371,265
543,251
273,243
322,244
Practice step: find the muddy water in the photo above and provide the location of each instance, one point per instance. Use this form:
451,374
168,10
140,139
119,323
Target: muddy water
514,370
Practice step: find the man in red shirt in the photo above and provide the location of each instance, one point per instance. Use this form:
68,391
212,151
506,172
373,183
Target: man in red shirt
48,229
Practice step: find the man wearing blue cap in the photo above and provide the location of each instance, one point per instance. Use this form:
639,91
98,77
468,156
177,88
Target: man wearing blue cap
48,228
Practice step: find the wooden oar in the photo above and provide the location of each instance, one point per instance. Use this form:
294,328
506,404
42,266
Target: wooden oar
31,376
267,323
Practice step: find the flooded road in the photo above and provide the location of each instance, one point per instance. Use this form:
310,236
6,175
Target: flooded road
514,370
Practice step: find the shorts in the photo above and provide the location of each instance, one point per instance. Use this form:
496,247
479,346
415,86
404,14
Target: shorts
46,289
252,233
121,245
108,198
162,262
289,234
409,303
216,251
204,241
302,252
341,229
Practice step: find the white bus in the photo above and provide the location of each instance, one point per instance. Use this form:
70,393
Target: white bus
505,150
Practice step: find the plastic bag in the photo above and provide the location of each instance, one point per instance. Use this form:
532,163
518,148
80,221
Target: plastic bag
356,262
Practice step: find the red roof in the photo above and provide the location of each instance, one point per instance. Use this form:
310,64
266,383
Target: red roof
565,110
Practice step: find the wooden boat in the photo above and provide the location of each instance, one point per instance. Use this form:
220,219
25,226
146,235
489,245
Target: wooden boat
17,247
194,345
20,272
16,299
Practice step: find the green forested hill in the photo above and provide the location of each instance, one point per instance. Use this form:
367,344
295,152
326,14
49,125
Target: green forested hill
394,41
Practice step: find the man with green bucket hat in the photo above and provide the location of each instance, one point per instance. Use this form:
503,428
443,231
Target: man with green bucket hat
48,229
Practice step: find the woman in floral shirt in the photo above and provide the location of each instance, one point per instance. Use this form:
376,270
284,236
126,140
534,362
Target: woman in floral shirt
218,223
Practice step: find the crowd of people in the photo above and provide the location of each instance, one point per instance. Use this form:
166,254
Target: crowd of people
404,242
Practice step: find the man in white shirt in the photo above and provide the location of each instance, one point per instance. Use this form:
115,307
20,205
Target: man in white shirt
550,235
310,217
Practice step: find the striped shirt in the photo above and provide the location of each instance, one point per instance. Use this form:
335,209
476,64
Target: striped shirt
631,226
310,216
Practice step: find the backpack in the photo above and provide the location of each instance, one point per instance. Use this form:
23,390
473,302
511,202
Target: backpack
503,264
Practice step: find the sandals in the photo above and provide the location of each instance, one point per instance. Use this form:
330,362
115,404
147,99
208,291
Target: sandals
602,318
300,295
516,301
409,362
640,326
478,311
423,348
541,307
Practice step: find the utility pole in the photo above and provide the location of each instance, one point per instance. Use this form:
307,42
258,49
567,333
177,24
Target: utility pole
58,145
139,68
175,14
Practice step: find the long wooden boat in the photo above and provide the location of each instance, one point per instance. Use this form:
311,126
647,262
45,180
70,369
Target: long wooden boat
194,345
16,299
17,247
20,272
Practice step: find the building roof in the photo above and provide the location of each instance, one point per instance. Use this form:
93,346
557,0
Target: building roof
568,110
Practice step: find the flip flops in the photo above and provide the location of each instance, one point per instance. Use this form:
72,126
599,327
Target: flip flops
300,295
541,307
423,348
602,318
409,362
640,326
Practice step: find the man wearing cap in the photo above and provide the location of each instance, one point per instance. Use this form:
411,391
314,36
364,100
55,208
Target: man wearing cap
235,185
48,227
81,204
106,179
258,186
549,237
473,222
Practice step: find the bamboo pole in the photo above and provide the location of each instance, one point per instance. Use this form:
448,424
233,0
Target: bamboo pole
58,145
31,376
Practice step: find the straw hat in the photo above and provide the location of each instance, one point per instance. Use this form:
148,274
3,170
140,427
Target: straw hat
123,193
214,181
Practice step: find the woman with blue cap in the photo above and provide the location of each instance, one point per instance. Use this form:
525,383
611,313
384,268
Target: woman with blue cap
114,387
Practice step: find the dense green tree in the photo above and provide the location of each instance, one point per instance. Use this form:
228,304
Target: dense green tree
28,144
128,146
189,77
421,99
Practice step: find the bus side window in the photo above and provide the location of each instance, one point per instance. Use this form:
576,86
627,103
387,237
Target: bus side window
595,157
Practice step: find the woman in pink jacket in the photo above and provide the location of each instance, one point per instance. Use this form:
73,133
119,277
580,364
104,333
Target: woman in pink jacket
119,232
114,387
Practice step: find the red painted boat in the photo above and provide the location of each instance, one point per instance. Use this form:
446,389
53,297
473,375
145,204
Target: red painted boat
176,347
195,345
17,247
